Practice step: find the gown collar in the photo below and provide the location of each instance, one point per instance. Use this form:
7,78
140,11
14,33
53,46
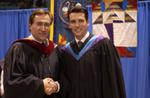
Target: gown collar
45,49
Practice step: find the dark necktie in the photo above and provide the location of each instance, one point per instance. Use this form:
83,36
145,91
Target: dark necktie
80,44
45,43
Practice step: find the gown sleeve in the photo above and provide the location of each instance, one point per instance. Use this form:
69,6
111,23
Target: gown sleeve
18,83
112,73
64,82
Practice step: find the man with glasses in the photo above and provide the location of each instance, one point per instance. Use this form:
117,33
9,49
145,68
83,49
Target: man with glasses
30,63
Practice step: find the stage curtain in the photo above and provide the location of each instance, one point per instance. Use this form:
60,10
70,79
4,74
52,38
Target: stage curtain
137,70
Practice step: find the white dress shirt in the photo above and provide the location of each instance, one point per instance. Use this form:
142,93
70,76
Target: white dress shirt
83,39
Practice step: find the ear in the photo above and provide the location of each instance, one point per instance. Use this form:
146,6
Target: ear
69,26
88,23
29,27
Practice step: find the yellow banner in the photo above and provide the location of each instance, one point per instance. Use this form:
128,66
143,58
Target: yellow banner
52,3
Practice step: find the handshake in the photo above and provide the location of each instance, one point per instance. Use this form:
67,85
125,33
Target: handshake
50,86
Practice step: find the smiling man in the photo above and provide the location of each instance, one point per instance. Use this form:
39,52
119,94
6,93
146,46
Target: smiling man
30,63
92,69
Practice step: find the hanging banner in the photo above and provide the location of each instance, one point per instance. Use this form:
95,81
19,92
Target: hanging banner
117,20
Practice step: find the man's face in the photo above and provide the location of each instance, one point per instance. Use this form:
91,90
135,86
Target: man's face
78,24
40,27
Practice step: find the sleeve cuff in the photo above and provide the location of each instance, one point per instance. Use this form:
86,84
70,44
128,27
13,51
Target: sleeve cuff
58,86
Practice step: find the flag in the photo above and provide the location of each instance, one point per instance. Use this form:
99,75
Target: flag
51,33
62,39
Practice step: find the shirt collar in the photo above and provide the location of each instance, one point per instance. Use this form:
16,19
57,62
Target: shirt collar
46,42
84,38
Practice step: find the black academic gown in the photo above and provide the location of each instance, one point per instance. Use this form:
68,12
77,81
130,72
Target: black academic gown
27,63
92,72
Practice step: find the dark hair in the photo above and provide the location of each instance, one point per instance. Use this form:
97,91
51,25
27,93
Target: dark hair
78,9
39,12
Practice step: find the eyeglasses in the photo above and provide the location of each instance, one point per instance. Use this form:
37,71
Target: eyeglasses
41,24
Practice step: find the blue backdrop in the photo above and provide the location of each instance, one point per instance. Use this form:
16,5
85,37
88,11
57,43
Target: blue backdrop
136,70
14,25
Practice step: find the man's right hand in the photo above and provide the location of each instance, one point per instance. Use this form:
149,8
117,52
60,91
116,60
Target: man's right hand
49,86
